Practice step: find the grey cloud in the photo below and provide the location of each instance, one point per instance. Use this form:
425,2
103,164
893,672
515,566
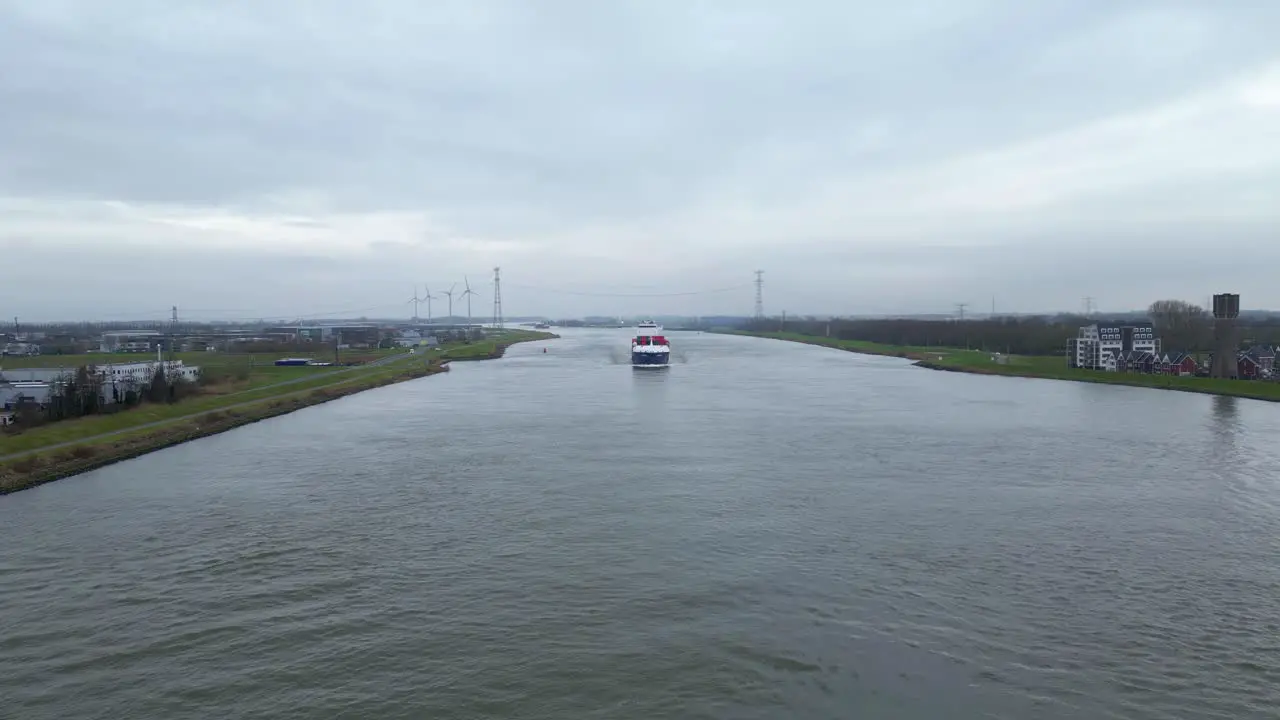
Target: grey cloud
523,122
592,107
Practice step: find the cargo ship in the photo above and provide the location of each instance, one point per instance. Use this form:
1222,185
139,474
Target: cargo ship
649,347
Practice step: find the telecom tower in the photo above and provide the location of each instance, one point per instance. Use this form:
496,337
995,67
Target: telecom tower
759,295
1226,308
497,298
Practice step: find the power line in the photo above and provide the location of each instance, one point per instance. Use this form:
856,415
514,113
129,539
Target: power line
623,295
302,316
248,315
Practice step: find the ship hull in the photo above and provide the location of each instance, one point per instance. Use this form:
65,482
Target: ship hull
649,360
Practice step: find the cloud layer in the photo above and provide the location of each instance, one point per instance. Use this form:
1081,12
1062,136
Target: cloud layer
296,157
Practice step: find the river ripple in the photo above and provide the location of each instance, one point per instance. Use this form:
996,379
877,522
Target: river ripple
765,530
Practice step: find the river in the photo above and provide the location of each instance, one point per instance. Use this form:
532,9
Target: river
764,530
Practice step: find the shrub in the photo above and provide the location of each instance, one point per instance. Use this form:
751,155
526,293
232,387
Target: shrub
27,464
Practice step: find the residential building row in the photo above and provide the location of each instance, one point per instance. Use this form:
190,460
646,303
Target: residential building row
1102,346
1135,348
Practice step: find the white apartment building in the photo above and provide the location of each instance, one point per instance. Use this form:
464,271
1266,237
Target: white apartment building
1101,345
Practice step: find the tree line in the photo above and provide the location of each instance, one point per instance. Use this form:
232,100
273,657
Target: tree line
1022,336
1180,326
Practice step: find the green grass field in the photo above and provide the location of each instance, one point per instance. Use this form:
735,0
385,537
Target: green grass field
201,359
264,381
247,370
56,461
1050,368
262,385
184,410
487,347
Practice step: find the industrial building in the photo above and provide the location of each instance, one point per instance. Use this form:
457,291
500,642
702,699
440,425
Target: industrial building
38,385
347,335
14,394
138,341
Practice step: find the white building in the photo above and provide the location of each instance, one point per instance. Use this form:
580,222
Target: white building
143,371
115,377
1100,346
20,348
413,338
12,394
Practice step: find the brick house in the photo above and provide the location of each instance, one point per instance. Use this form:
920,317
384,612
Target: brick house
1179,363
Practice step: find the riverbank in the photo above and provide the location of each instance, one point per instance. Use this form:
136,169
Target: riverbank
39,467
492,348
979,362
31,466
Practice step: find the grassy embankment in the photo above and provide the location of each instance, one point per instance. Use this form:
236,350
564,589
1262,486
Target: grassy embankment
1049,368
238,371
57,450
238,379
494,346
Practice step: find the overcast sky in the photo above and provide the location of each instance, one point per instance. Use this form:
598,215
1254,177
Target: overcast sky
246,158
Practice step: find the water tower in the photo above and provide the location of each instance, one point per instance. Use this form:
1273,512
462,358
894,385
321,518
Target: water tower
1226,308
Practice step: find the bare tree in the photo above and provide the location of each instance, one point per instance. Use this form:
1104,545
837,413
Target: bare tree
1181,325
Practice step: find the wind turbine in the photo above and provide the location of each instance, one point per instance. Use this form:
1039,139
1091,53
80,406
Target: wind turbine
449,293
428,298
467,294
415,300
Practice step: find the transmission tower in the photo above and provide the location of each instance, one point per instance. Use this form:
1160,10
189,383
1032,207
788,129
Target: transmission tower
497,297
759,295
173,331
1088,307
960,310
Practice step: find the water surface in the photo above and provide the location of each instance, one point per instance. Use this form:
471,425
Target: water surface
764,530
